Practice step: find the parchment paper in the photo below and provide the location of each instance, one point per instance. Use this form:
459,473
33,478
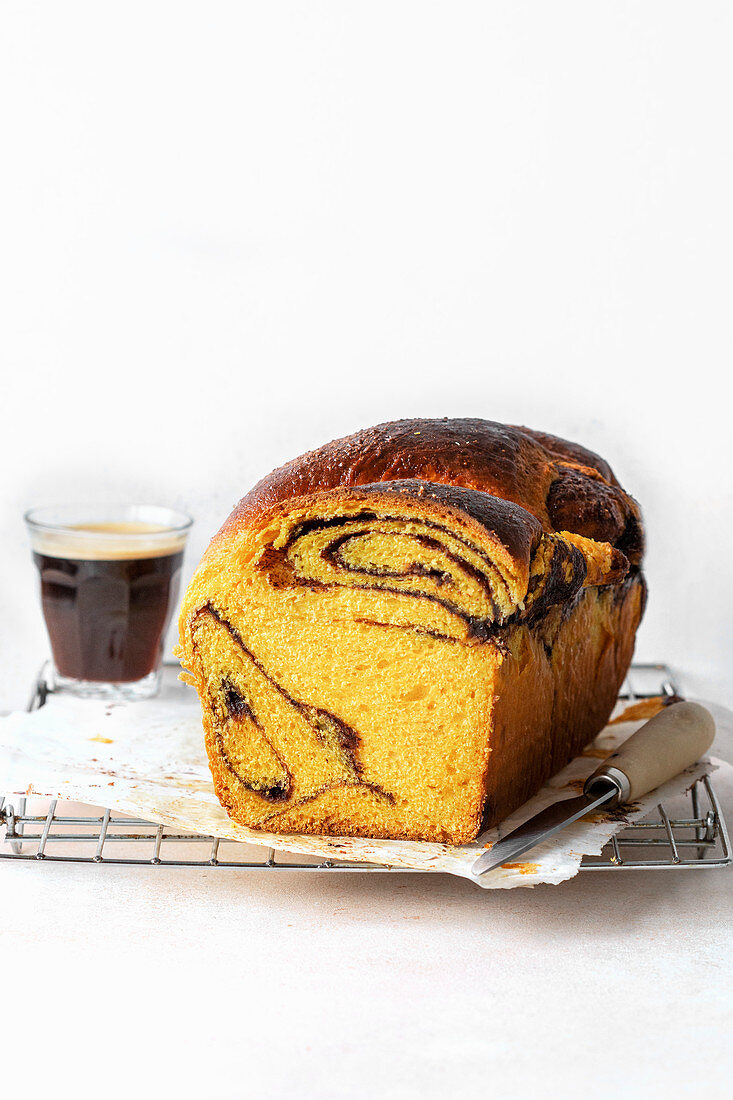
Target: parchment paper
147,760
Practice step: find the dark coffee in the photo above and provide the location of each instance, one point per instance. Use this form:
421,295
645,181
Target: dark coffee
107,616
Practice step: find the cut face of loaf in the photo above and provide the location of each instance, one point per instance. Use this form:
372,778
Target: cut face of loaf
402,658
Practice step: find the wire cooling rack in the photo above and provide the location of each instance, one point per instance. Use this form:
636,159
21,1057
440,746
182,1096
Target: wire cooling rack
691,834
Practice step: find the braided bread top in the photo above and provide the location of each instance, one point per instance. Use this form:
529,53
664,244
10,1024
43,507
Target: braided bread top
564,485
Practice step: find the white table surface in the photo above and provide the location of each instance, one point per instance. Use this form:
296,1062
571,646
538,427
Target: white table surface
125,981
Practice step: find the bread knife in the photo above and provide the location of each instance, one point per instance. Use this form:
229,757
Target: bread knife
663,747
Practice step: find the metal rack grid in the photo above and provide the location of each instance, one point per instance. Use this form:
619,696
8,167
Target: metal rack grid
46,830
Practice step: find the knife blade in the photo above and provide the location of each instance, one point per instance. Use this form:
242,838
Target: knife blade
664,746
543,825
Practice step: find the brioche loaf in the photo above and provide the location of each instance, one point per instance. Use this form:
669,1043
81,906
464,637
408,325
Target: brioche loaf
405,632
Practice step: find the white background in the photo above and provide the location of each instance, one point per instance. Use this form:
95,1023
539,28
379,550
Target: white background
232,231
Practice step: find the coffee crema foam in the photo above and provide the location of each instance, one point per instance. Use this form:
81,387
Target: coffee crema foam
109,541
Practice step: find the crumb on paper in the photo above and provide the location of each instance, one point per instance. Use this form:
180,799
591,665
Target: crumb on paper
103,740
523,868
645,709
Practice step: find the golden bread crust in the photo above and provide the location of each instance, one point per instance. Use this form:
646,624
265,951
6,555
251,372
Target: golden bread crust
565,486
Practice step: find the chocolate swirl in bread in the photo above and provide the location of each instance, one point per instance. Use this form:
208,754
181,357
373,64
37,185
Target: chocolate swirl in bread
409,629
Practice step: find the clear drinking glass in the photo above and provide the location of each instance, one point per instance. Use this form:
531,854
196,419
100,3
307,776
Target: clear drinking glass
110,577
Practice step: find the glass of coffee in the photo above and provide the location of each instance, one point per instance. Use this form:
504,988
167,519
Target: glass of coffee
110,578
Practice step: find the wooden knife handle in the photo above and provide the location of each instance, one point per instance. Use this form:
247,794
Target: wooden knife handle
663,747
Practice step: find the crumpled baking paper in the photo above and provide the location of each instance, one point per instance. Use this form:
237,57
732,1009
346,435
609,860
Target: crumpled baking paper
147,760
